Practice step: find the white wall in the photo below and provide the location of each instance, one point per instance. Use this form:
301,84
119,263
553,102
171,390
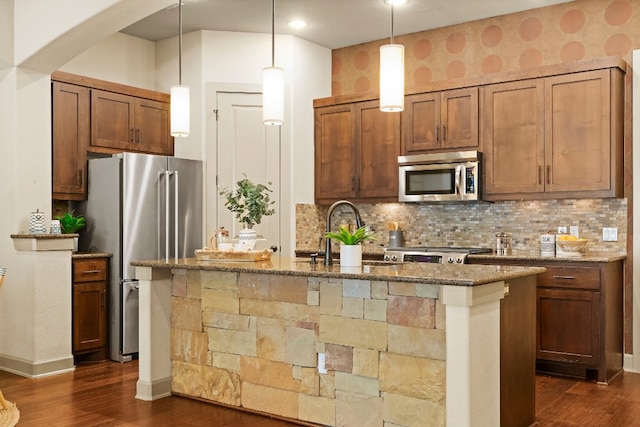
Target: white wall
119,58
36,38
228,58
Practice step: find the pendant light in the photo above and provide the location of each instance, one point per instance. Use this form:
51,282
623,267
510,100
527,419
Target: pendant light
392,75
273,84
180,94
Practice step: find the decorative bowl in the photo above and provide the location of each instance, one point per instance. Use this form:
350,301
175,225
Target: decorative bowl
573,247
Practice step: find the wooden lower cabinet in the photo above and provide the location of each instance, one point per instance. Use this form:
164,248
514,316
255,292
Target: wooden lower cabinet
579,318
90,308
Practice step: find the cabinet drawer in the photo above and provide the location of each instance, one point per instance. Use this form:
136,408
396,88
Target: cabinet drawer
89,270
570,277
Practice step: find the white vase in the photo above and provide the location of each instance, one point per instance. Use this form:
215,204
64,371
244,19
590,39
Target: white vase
247,238
350,255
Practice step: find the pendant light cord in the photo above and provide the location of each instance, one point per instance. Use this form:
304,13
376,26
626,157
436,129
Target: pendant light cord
180,43
391,22
273,33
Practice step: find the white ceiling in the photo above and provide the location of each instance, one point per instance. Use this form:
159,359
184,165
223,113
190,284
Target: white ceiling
332,23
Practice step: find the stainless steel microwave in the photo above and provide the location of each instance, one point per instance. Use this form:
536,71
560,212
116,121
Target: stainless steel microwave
441,177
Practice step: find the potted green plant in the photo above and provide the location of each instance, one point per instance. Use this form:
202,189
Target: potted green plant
351,250
71,223
249,202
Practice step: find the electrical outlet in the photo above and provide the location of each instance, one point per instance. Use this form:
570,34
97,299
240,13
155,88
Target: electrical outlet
322,367
573,230
562,230
610,234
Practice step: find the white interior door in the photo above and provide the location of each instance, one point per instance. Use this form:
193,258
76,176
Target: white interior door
245,146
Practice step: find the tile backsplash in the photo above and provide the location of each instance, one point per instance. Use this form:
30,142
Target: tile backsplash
474,223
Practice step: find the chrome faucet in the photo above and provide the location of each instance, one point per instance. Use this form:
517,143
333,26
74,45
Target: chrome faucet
328,256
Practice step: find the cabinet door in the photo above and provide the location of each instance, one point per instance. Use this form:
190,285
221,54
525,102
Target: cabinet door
89,315
112,120
153,134
513,138
568,326
70,139
459,118
578,133
421,122
334,153
377,148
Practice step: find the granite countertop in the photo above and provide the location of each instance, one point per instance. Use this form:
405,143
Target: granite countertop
535,257
461,275
43,236
373,251
88,255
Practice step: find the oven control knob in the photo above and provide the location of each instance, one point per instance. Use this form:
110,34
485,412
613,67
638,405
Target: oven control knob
387,258
394,257
450,260
459,260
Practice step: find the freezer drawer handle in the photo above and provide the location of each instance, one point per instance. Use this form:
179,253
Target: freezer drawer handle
92,272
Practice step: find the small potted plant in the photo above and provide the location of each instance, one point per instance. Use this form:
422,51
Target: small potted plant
70,224
249,202
351,250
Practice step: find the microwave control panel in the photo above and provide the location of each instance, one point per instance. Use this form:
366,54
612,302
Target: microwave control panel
470,183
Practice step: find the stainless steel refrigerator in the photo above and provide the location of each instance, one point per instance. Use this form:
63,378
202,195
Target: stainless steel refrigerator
139,207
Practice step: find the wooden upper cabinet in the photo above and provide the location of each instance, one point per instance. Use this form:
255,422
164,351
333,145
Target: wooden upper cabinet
513,123
334,153
356,153
440,121
377,148
112,120
70,139
578,132
554,137
153,131
128,123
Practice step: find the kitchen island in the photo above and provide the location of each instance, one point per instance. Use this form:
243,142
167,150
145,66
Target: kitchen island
397,344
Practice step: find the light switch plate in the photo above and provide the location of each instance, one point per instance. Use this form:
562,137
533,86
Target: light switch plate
573,230
562,230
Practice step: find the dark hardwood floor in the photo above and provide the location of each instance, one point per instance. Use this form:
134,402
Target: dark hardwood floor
102,394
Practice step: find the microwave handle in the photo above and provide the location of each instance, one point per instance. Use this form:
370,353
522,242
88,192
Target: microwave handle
458,184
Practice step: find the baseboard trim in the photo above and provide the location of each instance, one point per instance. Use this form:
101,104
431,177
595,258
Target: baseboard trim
30,369
627,363
155,390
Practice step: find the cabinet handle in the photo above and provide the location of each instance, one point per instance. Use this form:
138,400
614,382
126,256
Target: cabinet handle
548,174
138,136
357,183
353,183
133,135
104,299
565,277
539,174
436,132
81,177
444,133
92,272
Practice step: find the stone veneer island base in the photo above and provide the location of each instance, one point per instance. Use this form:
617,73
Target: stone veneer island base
393,345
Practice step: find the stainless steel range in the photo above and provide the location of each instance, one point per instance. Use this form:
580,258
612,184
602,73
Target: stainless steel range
434,255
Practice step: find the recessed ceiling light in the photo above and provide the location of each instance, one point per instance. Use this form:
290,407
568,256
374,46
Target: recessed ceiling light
297,23
396,2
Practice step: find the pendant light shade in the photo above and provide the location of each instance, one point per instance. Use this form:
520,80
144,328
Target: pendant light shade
392,75
273,96
180,111
273,83
180,107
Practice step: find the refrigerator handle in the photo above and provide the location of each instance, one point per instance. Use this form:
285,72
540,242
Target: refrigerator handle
166,212
175,216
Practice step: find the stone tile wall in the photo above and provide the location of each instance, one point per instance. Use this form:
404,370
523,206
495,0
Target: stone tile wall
475,223
252,341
